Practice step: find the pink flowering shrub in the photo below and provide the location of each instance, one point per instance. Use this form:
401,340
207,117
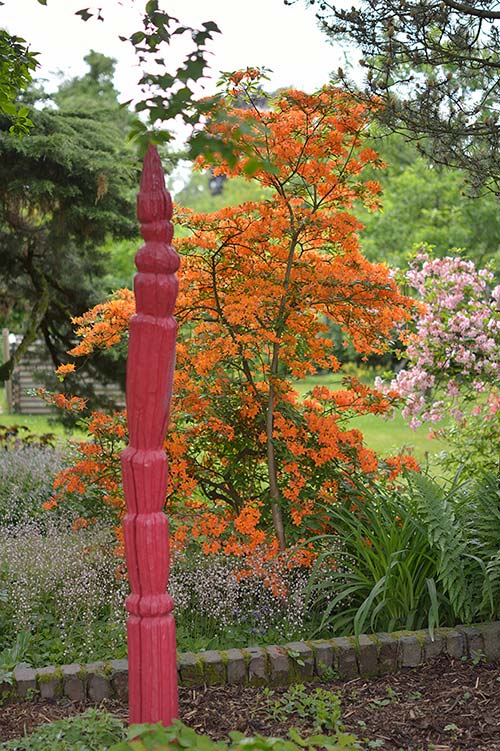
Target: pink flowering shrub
454,350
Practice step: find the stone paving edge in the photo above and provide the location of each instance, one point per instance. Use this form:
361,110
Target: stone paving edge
346,657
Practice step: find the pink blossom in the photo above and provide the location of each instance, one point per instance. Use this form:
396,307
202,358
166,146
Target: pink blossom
455,343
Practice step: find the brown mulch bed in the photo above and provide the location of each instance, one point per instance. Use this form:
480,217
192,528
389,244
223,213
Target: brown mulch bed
444,706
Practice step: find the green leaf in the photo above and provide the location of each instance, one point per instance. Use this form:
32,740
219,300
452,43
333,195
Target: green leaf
151,6
211,26
433,619
137,37
252,166
84,14
9,108
193,69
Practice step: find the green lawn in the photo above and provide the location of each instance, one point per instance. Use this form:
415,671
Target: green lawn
390,436
40,424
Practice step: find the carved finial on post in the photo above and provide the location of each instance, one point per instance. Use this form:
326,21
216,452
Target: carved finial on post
150,367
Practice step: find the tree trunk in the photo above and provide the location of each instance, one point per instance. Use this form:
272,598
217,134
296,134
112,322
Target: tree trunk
273,474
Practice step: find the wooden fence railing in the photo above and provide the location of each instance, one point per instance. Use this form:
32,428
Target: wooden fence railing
30,374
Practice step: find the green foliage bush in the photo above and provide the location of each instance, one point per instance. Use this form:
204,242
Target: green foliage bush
157,738
93,730
470,446
413,556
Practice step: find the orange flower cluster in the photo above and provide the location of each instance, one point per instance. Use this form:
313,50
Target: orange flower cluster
63,370
250,74
396,465
82,523
104,325
259,284
94,476
74,404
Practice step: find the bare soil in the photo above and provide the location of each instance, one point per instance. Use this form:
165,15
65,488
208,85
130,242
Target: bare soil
443,706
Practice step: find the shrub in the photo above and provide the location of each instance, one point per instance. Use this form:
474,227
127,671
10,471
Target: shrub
95,730
409,557
259,283
453,359
157,738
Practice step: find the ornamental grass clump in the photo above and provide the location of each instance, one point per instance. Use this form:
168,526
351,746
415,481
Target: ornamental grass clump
416,555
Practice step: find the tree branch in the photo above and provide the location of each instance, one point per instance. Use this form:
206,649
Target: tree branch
471,11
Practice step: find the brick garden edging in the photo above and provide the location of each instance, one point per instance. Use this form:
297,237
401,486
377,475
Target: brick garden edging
367,656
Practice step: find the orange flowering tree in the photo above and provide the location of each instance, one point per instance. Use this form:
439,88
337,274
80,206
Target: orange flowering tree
249,458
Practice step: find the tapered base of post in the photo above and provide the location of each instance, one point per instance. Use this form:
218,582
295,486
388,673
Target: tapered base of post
152,670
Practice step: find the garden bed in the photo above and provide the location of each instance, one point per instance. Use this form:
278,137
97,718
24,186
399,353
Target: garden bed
445,705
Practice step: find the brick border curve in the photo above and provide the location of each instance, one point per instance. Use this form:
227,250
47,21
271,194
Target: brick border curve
349,657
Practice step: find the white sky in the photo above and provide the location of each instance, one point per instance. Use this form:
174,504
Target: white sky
254,32
266,33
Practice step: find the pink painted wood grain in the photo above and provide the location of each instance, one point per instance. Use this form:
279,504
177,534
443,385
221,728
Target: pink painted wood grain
150,366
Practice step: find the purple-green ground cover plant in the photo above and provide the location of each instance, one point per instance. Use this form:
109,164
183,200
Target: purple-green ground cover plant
26,482
60,586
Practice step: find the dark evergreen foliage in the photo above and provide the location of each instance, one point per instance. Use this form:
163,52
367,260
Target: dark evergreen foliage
65,190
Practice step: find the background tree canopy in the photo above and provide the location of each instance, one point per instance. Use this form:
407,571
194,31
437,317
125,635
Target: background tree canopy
64,191
423,202
435,67
17,63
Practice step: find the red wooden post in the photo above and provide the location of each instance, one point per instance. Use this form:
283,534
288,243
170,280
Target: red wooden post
150,367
